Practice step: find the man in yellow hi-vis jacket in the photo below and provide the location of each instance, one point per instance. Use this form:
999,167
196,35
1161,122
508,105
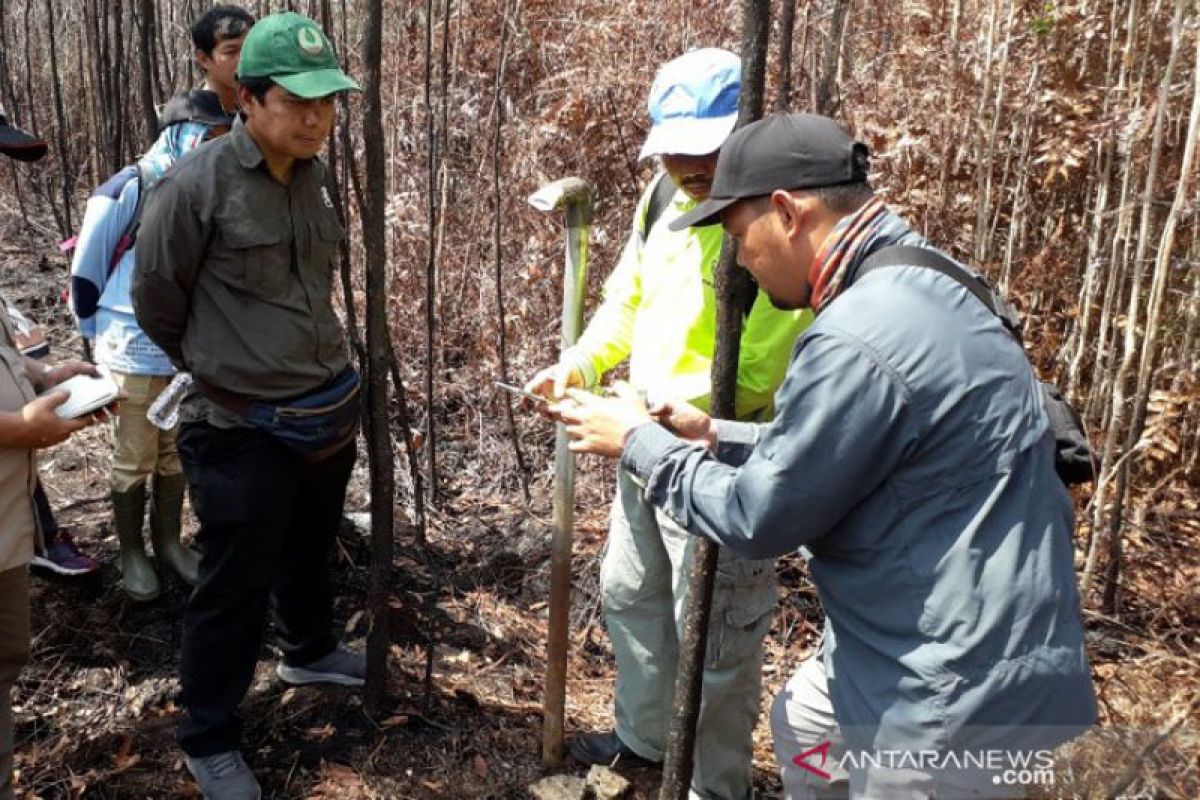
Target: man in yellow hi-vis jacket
659,311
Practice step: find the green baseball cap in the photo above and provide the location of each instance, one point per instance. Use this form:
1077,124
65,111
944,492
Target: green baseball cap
293,51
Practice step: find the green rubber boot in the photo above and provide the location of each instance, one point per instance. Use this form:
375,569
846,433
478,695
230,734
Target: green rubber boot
166,506
137,572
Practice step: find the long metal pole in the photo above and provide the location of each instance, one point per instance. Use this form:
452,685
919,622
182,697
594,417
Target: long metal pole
576,196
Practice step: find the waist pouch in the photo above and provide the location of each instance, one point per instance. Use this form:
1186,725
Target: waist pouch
315,425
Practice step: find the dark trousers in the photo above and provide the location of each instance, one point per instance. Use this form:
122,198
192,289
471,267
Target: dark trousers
267,522
45,513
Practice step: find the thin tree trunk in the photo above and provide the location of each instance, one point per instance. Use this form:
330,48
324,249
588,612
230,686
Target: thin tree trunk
1020,194
68,171
827,83
1114,534
149,117
497,214
8,96
1081,330
787,25
431,188
119,87
379,444
165,60
734,292
1113,460
983,243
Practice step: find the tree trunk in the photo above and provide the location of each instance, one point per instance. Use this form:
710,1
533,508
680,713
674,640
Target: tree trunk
987,149
149,117
1081,330
497,250
1114,460
787,26
824,102
431,188
8,98
735,291
60,116
379,444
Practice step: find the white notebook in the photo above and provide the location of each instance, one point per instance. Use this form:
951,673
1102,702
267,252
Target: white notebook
87,395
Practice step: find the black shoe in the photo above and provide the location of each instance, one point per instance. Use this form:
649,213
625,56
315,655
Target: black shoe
606,749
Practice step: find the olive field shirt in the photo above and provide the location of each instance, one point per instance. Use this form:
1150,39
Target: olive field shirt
234,269
940,534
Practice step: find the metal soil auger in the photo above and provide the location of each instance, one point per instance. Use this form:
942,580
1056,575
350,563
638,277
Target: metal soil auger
576,197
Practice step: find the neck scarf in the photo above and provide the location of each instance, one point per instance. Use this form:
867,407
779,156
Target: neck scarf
853,238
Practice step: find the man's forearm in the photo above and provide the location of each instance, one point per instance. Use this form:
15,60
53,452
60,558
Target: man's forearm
739,507
12,430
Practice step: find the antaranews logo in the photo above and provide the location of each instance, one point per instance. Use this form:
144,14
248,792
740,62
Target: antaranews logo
1006,767
822,750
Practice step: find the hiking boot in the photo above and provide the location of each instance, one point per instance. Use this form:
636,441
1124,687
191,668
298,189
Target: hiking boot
62,557
224,776
344,667
137,572
166,503
605,749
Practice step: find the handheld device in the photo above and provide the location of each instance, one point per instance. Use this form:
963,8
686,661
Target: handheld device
88,394
519,392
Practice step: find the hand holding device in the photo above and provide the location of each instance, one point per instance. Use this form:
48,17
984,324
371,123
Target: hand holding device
86,395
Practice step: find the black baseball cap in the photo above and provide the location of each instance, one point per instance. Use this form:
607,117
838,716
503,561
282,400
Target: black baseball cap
782,151
17,143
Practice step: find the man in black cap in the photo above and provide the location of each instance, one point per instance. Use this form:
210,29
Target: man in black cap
938,532
27,421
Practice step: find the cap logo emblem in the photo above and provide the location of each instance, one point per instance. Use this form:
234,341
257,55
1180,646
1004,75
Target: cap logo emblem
310,41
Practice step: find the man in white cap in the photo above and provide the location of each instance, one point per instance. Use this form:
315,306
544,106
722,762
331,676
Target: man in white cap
659,311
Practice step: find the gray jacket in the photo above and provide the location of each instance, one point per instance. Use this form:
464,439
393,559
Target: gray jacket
911,455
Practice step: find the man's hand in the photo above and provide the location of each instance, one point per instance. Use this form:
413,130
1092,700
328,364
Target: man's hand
40,426
62,372
685,421
552,383
600,425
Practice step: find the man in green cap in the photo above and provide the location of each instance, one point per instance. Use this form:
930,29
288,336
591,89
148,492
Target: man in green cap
233,282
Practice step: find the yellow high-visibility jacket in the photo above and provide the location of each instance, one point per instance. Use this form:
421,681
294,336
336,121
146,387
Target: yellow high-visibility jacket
659,309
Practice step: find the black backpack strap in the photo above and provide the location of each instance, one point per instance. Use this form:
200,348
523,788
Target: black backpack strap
912,256
134,224
664,190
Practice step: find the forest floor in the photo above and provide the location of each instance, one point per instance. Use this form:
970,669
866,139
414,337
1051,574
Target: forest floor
96,707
